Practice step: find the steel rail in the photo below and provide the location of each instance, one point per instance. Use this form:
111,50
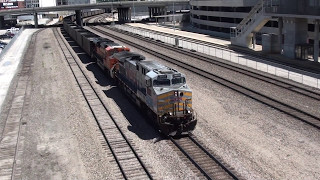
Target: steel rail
196,156
216,61
92,111
292,111
212,157
191,159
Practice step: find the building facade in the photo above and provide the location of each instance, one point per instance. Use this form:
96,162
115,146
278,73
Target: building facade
11,4
47,3
294,20
217,16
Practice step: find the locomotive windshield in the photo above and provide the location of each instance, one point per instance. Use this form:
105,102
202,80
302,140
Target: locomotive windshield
161,82
166,82
178,80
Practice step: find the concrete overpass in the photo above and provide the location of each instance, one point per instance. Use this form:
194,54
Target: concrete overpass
118,4
122,6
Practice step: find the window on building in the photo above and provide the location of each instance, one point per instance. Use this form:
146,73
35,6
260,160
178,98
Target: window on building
205,27
204,17
312,2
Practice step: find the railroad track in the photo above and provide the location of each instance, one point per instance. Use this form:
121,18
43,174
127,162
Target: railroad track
281,106
129,162
97,18
229,49
209,166
12,135
217,62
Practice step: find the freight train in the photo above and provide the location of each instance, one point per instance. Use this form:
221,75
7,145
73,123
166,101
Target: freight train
158,90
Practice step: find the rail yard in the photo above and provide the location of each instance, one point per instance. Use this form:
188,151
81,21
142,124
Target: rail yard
65,118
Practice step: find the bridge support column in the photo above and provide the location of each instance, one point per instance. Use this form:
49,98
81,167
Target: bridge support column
119,15
280,35
35,19
316,41
296,32
254,41
79,18
1,22
157,11
124,15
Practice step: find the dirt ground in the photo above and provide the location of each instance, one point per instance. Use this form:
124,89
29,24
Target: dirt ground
61,140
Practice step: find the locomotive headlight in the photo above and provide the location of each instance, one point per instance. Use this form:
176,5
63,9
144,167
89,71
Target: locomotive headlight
170,113
189,112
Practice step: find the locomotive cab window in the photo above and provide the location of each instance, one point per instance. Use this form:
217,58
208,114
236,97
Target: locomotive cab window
161,82
179,80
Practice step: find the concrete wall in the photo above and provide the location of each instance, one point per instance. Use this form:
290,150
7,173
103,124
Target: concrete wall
270,43
295,31
70,2
220,14
300,7
47,3
225,3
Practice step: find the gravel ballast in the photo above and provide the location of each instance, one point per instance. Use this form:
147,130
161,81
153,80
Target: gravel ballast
62,139
257,140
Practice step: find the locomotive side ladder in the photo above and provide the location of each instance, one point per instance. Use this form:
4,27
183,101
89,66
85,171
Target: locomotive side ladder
243,33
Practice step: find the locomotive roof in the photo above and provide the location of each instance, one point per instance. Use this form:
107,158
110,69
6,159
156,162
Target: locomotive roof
129,56
109,44
89,35
100,40
158,68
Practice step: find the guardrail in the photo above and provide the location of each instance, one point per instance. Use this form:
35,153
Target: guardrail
303,77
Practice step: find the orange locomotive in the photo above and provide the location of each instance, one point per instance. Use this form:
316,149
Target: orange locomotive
104,49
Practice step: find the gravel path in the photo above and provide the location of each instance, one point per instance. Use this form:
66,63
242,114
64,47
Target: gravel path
61,136
258,141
